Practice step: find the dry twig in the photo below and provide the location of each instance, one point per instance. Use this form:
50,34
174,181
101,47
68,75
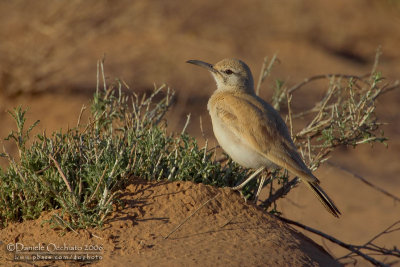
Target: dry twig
61,173
355,175
187,218
353,248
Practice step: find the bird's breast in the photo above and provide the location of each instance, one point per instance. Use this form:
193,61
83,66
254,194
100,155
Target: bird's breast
237,147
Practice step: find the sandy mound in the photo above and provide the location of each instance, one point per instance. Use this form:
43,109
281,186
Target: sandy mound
226,231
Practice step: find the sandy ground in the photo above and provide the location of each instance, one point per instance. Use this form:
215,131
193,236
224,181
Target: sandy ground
48,60
226,231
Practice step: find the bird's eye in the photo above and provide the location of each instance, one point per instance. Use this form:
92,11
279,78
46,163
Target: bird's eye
228,71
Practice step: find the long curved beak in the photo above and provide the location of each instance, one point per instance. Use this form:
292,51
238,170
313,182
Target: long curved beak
203,64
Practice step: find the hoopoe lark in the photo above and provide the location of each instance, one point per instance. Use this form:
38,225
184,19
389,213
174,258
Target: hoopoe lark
251,131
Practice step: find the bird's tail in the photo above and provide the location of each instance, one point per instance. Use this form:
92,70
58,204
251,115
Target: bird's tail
323,198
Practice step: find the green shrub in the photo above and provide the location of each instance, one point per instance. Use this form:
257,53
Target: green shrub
80,171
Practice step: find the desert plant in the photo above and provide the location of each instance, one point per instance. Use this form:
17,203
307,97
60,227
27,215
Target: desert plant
345,116
80,171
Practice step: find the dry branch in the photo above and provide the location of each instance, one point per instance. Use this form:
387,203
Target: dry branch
353,248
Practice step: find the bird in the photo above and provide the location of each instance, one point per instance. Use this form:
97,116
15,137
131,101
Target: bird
251,131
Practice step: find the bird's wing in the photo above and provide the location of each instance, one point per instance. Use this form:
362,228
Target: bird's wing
259,126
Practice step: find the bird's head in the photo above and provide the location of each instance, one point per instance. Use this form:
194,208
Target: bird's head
229,74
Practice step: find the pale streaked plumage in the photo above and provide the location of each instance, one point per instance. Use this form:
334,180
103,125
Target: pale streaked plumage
250,130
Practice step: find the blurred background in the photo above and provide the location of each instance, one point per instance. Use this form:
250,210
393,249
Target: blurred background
49,51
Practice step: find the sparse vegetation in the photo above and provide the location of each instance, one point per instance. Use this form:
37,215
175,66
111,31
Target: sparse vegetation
81,170
345,116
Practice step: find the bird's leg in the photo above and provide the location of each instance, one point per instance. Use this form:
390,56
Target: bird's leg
240,186
261,184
